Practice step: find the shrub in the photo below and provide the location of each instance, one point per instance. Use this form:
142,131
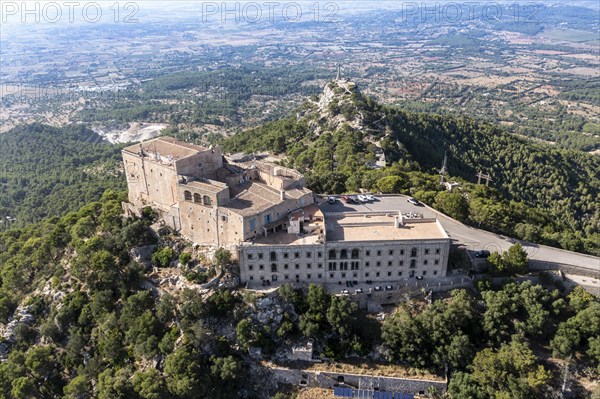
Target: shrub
162,257
185,258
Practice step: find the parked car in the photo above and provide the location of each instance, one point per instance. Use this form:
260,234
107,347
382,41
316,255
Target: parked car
362,198
413,201
358,291
419,277
331,200
482,254
370,197
345,292
377,288
345,198
354,199
389,288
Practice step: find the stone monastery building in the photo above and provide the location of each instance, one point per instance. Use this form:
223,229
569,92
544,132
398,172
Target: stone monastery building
278,231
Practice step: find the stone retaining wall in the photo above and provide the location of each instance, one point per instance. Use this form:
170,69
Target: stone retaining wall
328,380
580,271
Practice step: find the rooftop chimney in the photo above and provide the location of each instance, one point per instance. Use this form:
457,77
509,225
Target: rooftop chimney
399,220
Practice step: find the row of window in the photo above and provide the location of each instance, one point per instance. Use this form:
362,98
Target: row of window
332,254
273,255
344,275
274,267
197,198
333,266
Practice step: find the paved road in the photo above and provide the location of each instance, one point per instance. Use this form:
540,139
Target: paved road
474,239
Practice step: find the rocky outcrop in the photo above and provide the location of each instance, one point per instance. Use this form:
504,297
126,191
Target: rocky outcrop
339,104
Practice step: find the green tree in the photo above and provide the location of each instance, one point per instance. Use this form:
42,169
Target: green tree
406,338
463,386
114,384
452,204
184,258
517,308
24,388
162,257
510,372
149,384
389,184
223,257
7,306
516,259
341,314
579,298
314,319
243,332
513,261
182,374
41,362
440,335
78,388
226,369
578,333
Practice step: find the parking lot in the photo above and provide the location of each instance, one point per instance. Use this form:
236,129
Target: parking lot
381,204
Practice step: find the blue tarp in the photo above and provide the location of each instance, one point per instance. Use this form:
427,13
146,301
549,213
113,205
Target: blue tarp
340,392
383,395
343,392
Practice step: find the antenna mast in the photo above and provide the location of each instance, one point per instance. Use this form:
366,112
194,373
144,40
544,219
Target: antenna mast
444,169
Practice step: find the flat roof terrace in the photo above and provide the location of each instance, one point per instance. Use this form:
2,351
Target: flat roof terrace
365,227
166,147
283,238
207,184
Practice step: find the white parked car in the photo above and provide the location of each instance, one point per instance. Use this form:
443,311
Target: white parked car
370,197
331,200
362,198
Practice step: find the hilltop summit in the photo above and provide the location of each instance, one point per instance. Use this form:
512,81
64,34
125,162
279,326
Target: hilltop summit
340,103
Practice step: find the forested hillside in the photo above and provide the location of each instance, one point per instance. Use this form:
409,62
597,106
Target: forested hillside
539,193
48,171
83,325
81,317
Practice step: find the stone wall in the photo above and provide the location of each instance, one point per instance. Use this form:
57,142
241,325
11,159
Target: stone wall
580,271
328,380
373,300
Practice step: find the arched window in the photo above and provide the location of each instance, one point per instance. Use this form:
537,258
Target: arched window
413,252
273,268
207,200
355,253
343,254
197,198
187,195
273,256
332,254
